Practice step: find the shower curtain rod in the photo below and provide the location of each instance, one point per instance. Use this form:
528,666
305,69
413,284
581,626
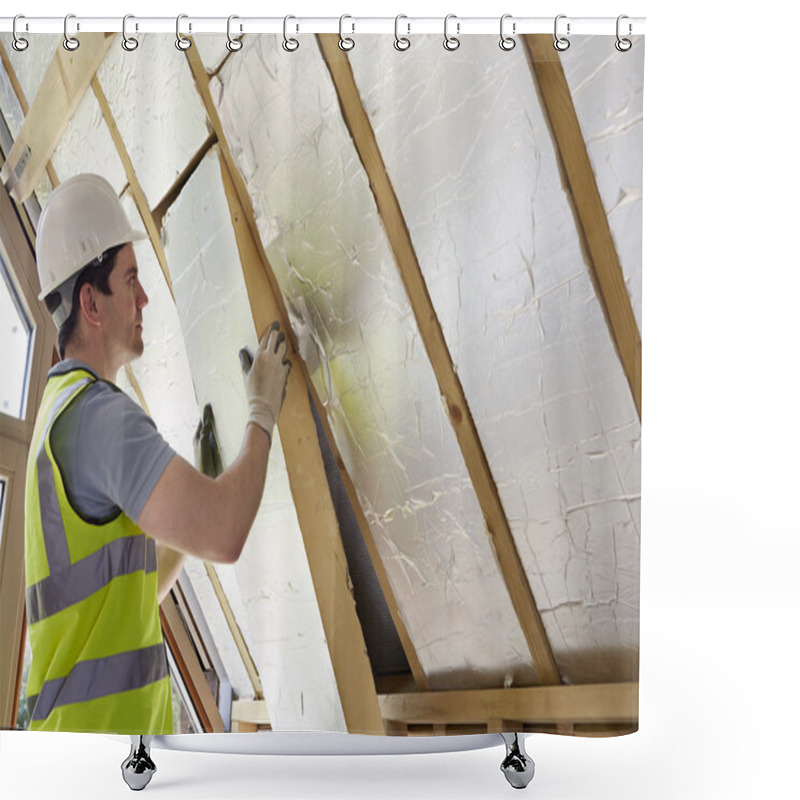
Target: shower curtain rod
460,26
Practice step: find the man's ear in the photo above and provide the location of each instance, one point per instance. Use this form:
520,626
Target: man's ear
88,301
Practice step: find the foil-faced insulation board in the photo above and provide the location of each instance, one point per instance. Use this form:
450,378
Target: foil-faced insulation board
9,103
471,159
152,96
356,331
607,91
270,587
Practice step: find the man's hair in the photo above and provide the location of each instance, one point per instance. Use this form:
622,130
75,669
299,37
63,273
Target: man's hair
96,274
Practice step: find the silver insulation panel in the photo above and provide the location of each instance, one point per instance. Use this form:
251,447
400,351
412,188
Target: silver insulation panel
270,587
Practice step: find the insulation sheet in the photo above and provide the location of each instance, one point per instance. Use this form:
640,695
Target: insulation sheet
270,587
470,156
159,115
357,333
607,91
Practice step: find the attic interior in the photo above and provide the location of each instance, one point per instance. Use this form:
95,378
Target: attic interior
449,538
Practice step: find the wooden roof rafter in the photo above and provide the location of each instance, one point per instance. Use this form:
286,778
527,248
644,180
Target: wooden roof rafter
66,80
397,233
590,215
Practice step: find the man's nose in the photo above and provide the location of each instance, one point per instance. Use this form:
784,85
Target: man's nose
143,299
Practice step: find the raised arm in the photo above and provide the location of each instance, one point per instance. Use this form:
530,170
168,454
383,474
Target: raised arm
211,518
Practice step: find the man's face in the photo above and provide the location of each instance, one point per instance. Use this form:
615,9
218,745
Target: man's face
123,307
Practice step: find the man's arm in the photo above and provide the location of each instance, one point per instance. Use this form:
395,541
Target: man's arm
170,564
210,518
204,517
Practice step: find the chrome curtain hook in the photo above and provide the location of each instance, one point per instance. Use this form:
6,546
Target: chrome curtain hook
19,43
401,42
233,44
181,42
289,44
507,42
623,45
451,42
346,42
129,43
561,43
70,42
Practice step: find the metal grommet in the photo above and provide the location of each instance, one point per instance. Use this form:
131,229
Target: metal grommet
346,42
289,44
181,42
233,44
70,42
401,42
507,42
561,43
19,43
623,45
451,42
129,43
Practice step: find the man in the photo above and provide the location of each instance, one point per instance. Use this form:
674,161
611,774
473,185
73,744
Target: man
103,487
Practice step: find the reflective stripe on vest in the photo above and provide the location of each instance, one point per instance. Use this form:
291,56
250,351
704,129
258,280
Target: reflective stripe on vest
100,677
64,588
88,652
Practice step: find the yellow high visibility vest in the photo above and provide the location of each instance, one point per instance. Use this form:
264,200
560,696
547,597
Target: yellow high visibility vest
98,656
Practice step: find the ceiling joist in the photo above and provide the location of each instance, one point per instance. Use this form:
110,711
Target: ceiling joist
606,703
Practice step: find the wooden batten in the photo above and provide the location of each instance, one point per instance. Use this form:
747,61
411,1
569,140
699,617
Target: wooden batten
136,190
249,716
394,224
23,102
503,710
236,632
189,666
63,86
591,218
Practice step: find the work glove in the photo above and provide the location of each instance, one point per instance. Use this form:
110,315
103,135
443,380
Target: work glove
265,378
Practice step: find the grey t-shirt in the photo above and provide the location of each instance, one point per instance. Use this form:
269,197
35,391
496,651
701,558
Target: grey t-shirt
108,449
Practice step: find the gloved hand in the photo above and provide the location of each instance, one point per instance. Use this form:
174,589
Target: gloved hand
265,382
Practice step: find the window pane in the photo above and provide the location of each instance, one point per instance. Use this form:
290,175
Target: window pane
15,341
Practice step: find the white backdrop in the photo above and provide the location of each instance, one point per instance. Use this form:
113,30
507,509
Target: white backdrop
721,537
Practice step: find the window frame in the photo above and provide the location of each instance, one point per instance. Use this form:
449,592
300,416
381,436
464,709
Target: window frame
15,438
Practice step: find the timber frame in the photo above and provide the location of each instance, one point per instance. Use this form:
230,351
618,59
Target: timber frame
599,709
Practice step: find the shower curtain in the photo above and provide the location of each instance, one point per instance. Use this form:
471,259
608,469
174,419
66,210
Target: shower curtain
449,537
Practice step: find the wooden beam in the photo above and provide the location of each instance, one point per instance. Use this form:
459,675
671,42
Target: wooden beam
314,506
189,666
590,215
62,89
23,102
608,703
153,231
251,712
236,632
430,330
267,304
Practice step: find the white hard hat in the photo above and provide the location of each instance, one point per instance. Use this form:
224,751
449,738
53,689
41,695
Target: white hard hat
81,219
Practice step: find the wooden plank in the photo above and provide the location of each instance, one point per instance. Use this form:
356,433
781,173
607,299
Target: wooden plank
609,703
63,87
236,631
300,441
450,387
189,667
23,102
250,711
590,215
153,231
